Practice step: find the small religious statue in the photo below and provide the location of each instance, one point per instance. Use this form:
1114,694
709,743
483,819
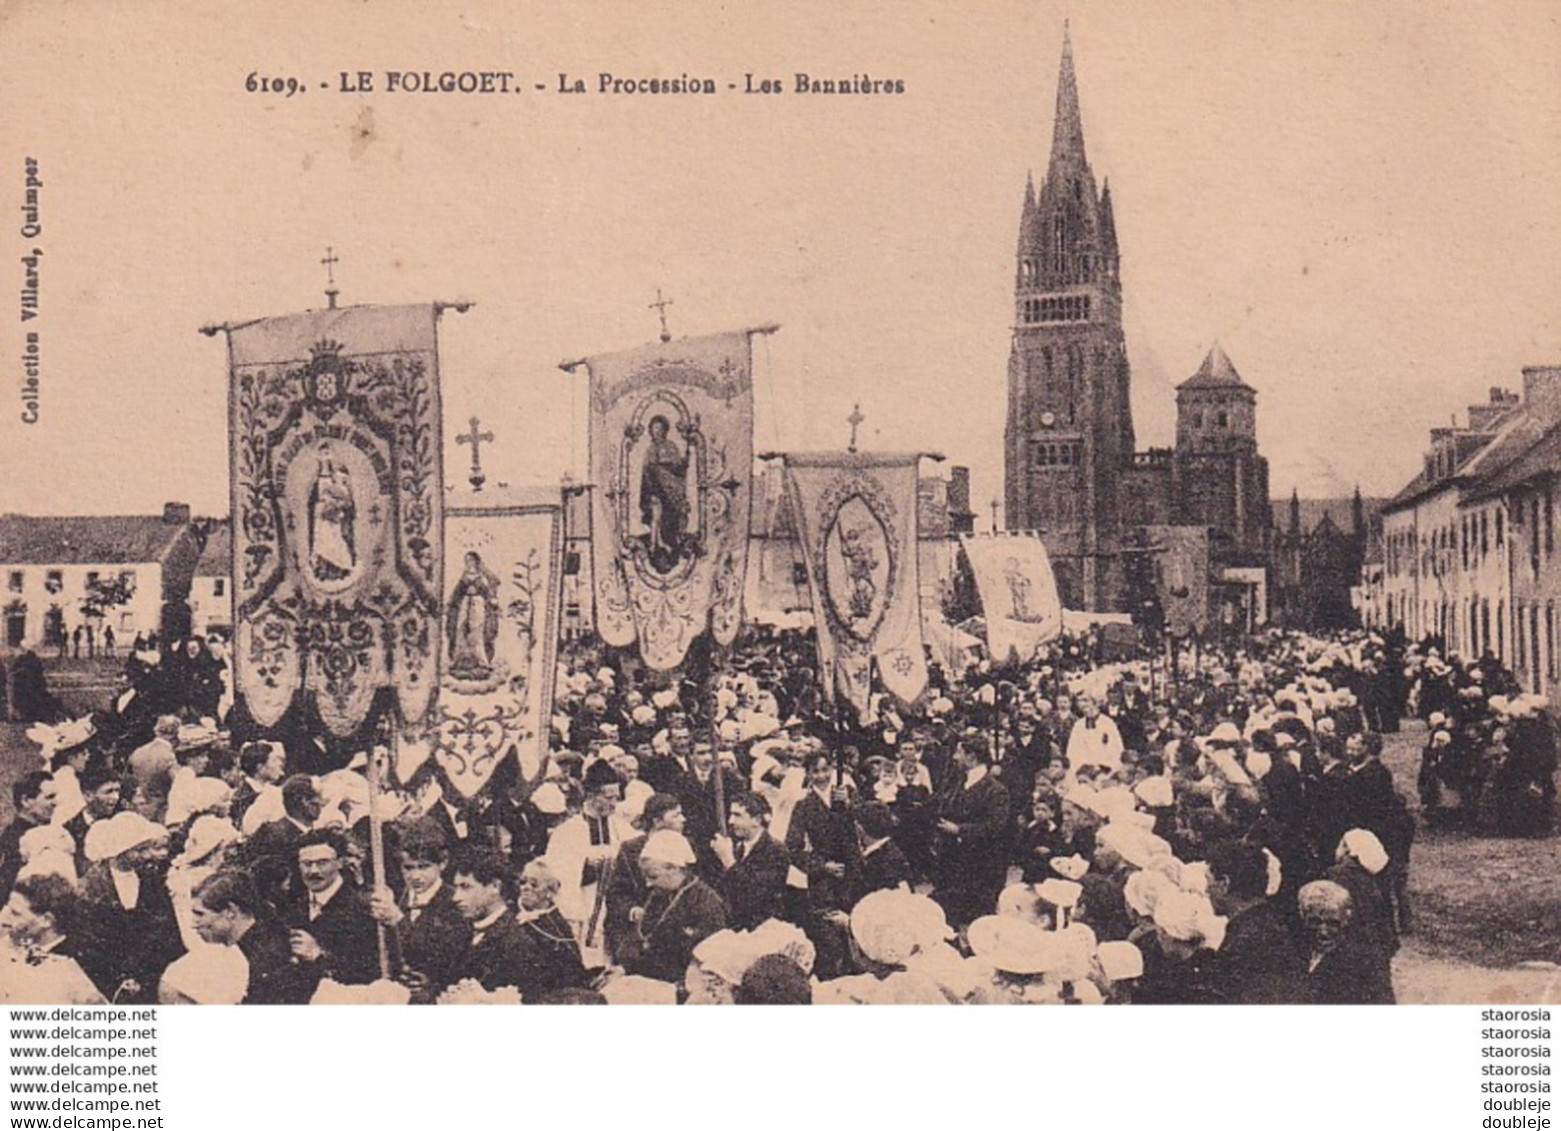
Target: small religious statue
1019,592
664,496
332,519
857,549
472,620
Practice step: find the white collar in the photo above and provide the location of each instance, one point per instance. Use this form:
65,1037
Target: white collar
488,920
429,897
973,775
127,885
324,897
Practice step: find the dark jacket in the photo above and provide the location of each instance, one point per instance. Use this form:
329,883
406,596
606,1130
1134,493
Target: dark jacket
434,942
346,933
754,886
1259,962
274,978
554,963
500,956
822,834
114,945
1356,972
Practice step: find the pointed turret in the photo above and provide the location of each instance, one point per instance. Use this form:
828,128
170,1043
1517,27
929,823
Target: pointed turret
1108,223
1295,512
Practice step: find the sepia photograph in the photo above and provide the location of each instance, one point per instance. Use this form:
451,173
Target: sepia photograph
812,504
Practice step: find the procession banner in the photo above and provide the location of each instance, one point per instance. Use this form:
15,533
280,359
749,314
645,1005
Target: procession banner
856,517
501,608
1182,577
672,450
336,501
1018,593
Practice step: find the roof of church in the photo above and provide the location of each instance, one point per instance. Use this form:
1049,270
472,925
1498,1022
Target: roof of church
85,539
1216,372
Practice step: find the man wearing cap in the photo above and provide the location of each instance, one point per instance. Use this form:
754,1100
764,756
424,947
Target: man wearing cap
626,887
753,882
34,796
679,913
227,911
128,933
581,853
331,931
35,964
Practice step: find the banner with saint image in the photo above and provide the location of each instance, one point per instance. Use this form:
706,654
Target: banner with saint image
335,471
672,458
503,590
1182,577
856,517
1018,593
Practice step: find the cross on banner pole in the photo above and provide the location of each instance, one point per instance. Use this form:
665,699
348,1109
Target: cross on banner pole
854,420
660,307
476,438
329,262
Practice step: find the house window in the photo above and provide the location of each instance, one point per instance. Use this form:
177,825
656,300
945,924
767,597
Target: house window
1224,420
14,581
54,580
92,578
127,578
1499,540
219,586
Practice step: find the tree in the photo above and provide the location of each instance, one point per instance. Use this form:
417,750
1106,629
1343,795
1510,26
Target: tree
106,593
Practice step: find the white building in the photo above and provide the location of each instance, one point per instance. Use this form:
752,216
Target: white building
49,564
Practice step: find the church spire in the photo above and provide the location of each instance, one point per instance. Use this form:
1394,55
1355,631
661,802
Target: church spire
1295,512
1068,132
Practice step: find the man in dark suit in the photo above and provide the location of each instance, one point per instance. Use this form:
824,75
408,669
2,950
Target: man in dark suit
101,791
626,886
754,882
1259,962
973,835
499,954
228,911
428,934
1346,966
821,840
332,933
263,764
884,863
680,912
696,790
271,854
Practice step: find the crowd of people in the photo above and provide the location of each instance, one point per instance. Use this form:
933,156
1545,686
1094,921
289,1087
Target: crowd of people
1062,830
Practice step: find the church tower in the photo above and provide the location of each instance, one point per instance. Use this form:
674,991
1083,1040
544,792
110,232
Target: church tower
1069,432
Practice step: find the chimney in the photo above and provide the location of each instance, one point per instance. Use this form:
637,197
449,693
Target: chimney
1542,392
176,514
959,489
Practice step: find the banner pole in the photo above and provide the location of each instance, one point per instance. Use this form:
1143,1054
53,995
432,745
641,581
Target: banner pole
377,841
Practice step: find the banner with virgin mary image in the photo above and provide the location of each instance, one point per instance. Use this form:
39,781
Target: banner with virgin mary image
503,589
672,460
856,517
1019,599
335,470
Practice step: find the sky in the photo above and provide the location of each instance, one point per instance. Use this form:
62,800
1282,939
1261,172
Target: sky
1358,202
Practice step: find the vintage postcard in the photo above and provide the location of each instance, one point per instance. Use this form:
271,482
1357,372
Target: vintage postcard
931,503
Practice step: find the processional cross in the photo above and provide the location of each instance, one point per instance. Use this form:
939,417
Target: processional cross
855,420
660,307
476,438
329,262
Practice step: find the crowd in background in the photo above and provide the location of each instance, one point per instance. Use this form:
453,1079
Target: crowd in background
1064,829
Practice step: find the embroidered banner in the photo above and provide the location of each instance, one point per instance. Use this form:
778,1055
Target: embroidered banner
1182,576
856,517
501,607
672,455
336,499
1018,593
